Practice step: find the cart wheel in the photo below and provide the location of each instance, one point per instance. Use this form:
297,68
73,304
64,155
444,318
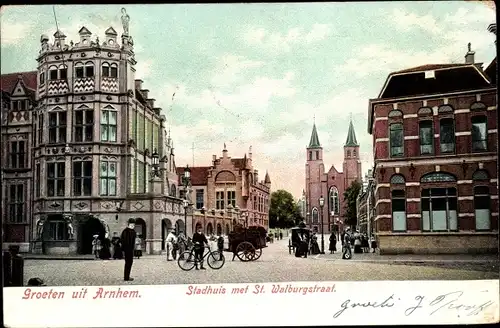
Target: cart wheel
186,261
216,260
243,250
257,254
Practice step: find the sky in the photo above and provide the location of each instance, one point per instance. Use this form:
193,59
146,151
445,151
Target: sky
259,74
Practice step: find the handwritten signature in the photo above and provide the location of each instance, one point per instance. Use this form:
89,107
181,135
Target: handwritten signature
446,302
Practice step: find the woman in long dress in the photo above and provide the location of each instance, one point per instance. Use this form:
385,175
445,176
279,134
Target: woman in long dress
333,243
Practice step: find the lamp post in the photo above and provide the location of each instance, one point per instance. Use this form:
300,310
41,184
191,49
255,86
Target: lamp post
155,164
321,204
186,180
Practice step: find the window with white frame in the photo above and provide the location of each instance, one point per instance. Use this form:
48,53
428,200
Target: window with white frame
398,203
108,125
56,179
84,124
439,209
57,127
219,200
482,205
479,133
333,201
16,204
82,178
107,179
396,139
426,137
447,135
17,154
110,70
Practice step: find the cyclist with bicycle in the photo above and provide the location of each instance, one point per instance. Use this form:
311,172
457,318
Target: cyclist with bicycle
199,241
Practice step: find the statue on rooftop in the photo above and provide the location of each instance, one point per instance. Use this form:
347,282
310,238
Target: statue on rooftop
125,21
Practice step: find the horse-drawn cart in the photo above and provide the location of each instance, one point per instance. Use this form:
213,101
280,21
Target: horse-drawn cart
247,243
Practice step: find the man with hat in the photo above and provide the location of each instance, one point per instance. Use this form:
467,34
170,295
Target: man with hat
128,245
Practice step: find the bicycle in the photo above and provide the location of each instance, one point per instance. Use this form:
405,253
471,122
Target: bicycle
187,260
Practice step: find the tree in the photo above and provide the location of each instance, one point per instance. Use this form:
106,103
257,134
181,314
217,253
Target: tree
283,211
350,197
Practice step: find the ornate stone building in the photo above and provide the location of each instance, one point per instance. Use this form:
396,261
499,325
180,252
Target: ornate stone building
228,192
331,184
93,144
435,142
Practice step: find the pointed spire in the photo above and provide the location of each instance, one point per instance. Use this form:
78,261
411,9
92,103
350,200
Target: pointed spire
267,179
314,142
351,136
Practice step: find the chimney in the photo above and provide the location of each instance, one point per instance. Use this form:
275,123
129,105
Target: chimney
469,56
138,84
145,93
214,159
151,102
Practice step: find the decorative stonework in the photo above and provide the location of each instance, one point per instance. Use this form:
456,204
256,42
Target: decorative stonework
58,87
106,205
84,85
81,205
158,205
109,84
138,206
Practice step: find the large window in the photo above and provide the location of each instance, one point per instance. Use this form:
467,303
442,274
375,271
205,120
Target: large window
397,139
107,179
141,177
108,125
84,125
315,216
231,198
199,198
17,154
479,133
86,70
439,209
57,229
482,208
40,128
55,179
219,200
110,70
82,178
398,205
57,127
16,204
140,139
426,138
447,135
333,201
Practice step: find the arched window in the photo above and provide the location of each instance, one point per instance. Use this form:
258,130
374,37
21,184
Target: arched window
348,154
480,175
333,201
105,69
79,72
315,216
63,72
426,137
395,113
173,191
439,205
398,203
445,109
477,106
113,71
424,111
447,135
53,73
89,69
482,208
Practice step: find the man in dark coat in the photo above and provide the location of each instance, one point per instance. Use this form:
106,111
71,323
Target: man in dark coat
117,247
199,241
128,246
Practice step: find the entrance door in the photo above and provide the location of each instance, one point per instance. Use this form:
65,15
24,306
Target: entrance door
89,227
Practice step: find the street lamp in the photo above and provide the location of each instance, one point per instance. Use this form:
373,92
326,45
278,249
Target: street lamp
321,204
186,180
155,164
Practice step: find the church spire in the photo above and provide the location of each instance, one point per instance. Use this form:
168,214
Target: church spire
351,137
314,142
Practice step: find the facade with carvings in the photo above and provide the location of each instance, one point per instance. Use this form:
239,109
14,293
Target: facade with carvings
435,143
228,192
95,130
18,101
330,184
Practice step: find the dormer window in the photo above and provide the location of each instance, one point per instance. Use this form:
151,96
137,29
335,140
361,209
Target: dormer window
110,70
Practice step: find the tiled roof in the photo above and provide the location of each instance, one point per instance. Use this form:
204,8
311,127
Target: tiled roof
199,175
491,71
8,81
314,142
428,67
351,136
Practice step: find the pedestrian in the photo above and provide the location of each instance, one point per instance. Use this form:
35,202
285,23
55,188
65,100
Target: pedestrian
138,246
220,246
128,245
117,246
105,253
96,246
346,247
374,243
281,235
333,243
199,241
182,243
171,240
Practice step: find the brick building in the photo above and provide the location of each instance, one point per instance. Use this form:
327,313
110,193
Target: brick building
435,145
365,205
18,101
330,184
228,192
88,146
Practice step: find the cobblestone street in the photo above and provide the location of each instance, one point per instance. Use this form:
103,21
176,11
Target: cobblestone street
275,265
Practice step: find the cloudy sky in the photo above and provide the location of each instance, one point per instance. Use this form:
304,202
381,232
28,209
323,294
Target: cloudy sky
256,74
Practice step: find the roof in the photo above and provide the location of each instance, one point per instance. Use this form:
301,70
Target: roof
447,78
314,142
199,175
351,137
267,179
491,71
8,81
239,163
110,31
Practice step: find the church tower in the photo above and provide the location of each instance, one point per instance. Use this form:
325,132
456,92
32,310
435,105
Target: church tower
315,171
352,161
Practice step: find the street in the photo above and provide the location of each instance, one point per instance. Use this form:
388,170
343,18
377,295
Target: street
275,265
